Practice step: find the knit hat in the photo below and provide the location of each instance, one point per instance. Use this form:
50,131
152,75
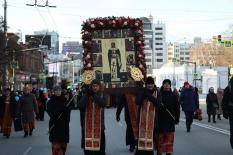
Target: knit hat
186,83
95,81
167,81
150,80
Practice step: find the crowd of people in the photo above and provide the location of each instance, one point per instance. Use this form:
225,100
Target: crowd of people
150,115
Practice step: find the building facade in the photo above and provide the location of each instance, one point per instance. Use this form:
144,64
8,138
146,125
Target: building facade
45,38
159,44
148,40
155,43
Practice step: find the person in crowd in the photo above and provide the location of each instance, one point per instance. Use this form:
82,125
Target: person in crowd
189,103
93,103
219,96
7,112
41,101
168,115
227,107
27,109
59,113
122,103
80,94
147,101
212,104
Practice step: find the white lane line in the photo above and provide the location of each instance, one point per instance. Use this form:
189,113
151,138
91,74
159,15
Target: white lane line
226,132
27,151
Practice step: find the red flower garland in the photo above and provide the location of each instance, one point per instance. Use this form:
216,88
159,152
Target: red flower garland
117,23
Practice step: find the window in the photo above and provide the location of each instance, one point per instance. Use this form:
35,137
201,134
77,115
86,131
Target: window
147,33
148,60
158,28
147,26
148,54
159,60
160,44
158,48
158,33
181,53
158,38
159,54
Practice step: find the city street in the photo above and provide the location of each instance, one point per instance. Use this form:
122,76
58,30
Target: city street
204,139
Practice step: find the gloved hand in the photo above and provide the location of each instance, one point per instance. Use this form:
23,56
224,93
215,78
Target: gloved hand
89,92
225,114
118,118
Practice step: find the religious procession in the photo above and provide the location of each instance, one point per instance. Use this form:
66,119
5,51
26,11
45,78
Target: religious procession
114,76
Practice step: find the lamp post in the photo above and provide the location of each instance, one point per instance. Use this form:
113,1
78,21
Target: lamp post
42,49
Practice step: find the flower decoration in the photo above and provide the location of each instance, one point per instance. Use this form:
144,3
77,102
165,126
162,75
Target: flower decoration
134,24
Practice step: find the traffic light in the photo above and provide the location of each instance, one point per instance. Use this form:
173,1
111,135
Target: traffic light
220,38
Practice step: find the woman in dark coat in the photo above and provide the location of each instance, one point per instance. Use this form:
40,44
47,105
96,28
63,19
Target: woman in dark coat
58,128
7,112
167,115
212,104
27,109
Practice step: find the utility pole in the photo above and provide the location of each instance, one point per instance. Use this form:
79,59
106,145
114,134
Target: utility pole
4,74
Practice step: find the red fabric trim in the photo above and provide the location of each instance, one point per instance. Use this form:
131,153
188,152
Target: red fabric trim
133,113
146,126
92,126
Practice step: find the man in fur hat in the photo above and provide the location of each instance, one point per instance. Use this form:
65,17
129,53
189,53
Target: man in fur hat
93,103
147,100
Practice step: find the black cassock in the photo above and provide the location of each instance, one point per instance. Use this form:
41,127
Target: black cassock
122,103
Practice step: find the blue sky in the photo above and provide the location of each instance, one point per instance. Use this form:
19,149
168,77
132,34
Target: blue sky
184,19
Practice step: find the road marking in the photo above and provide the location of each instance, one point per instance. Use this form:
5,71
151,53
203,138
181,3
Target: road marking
226,132
27,151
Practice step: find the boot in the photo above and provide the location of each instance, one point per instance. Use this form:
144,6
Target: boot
30,133
209,118
214,119
25,134
132,147
219,117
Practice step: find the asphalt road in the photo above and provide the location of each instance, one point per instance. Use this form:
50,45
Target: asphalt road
204,139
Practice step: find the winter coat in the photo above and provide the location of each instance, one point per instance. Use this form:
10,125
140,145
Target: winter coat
28,107
165,122
188,100
59,128
212,103
227,100
12,106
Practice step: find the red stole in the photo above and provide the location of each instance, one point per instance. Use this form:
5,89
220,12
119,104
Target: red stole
133,113
146,126
92,126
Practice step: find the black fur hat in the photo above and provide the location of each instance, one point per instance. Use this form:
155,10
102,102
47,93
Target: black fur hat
150,80
167,81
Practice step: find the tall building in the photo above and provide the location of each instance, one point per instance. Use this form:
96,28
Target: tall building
159,43
180,51
71,71
72,49
185,51
49,39
173,51
148,36
155,43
